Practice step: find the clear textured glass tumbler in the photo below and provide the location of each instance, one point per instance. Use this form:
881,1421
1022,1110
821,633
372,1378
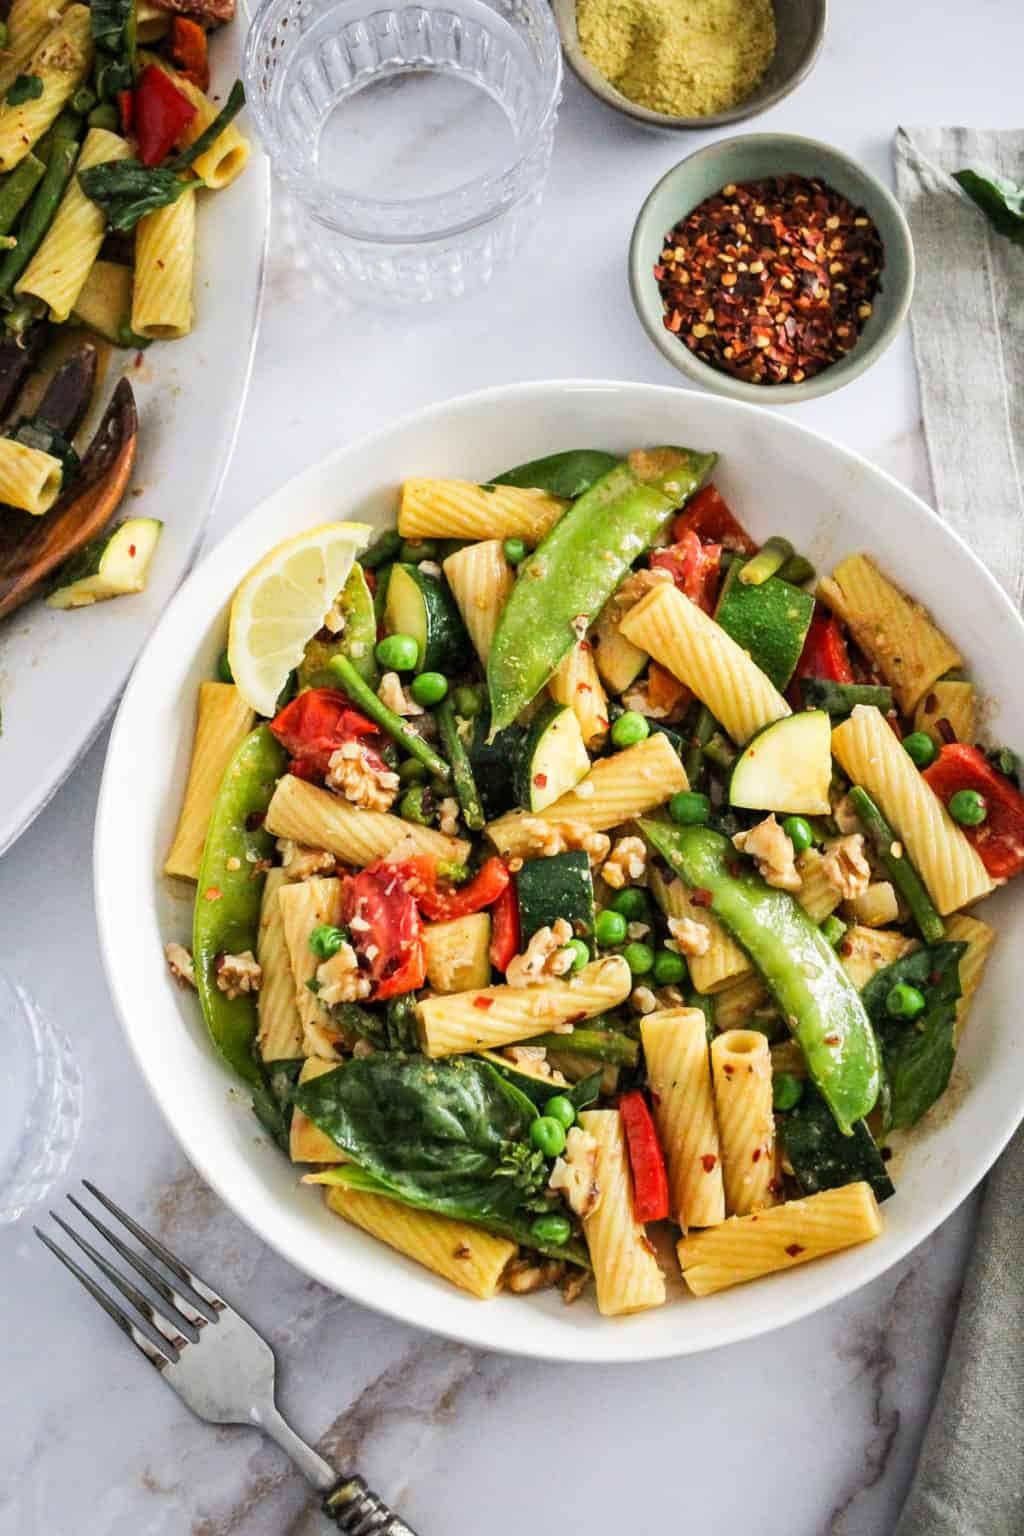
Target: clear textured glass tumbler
40,1103
415,138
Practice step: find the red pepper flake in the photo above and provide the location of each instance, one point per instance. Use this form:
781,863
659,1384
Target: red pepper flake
540,780
832,1039
212,893
770,281
131,551
846,947
483,1002
728,1069
756,1155
794,1249
945,730
701,898
708,1162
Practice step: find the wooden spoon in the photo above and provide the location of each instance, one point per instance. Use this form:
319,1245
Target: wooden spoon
32,547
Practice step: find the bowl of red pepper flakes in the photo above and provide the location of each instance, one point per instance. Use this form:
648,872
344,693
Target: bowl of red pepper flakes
771,268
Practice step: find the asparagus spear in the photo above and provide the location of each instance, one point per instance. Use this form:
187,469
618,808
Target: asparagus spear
462,769
897,866
398,729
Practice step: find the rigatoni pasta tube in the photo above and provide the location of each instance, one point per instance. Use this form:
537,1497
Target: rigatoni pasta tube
679,1074
467,1256
681,637
949,699
223,721
229,153
29,478
864,952
871,755
279,1037
626,1271
488,1017
741,1067
305,906
979,938
481,579
59,268
617,789
318,819
165,250
61,61
458,509
723,961
575,682
307,1143
746,1247
28,22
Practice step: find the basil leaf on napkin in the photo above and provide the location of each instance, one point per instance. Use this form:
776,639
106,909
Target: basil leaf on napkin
1000,200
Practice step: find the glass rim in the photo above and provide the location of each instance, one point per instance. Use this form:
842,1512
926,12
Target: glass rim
352,213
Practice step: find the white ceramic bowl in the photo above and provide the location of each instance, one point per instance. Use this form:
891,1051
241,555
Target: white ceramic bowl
779,477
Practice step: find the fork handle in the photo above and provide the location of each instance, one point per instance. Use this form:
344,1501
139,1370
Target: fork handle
358,1511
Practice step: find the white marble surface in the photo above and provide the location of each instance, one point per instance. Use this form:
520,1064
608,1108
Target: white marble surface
809,1431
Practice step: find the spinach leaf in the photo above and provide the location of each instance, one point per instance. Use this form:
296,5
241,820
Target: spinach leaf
917,1056
112,23
273,1106
1001,201
402,1034
125,190
822,1157
23,88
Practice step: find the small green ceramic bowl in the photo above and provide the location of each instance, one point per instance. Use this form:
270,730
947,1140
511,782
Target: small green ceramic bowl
751,157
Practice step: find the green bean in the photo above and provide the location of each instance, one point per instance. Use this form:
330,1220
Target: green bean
703,729
797,571
209,137
40,213
897,866
382,549
66,126
17,189
770,559
21,315
400,730
83,100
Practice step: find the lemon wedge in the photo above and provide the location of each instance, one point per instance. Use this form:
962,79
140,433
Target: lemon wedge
282,603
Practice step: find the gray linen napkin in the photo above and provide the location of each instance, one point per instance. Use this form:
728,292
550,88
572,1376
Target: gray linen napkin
967,324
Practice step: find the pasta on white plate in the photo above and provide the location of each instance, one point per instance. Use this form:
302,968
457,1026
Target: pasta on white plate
553,967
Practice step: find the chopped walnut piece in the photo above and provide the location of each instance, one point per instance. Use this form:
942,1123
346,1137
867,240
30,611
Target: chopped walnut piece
238,973
351,772
533,1060
179,963
634,588
300,862
339,979
691,937
547,955
546,838
448,816
642,1000
525,1275
637,699
772,852
845,867
363,1048
575,1173
845,817
627,863
394,697
574,1284
334,619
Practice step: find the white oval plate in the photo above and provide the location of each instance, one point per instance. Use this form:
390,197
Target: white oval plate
61,672
779,477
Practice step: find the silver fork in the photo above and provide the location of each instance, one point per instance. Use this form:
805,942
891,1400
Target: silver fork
216,1362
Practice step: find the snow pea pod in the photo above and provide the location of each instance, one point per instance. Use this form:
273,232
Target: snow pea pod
356,639
566,474
574,570
799,966
228,897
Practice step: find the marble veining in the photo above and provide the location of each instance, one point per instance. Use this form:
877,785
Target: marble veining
809,1431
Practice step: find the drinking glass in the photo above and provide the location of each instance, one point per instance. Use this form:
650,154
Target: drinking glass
415,138
40,1103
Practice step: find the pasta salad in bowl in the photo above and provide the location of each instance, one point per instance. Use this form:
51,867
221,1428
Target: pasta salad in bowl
581,877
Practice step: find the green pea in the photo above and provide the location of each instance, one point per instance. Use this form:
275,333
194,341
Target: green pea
632,903
669,968
799,833
224,671
466,702
561,1109
610,928
639,958
787,1091
630,728
515,551
551,1231
104,116
833,929
904,1001
429,688
968,807
325,940
412,771
415,550
580,953
397,653
415,805
548,1135
689,809
920,748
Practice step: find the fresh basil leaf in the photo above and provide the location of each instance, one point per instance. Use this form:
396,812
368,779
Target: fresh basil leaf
24,88
586,1092
917,1055
230,109
126,190
112,23
822,1157
1001,201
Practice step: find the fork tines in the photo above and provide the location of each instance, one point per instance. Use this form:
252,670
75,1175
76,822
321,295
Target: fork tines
186,1305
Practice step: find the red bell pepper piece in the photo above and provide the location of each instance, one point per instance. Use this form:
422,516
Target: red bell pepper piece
315,724
126,110
505,931
650,1181
1000,837
189,51
162,113
824,654
707,515
391,942
439,904
693,566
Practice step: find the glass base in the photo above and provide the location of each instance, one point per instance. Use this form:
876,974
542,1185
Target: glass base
40,1103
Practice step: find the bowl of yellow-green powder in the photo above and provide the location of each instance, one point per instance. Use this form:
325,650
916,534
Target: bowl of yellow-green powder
690,63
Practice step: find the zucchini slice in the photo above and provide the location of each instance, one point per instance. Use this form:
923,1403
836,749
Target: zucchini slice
558,886
770,622
113,565
457,953
421,606
494,765
787,767
553,759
